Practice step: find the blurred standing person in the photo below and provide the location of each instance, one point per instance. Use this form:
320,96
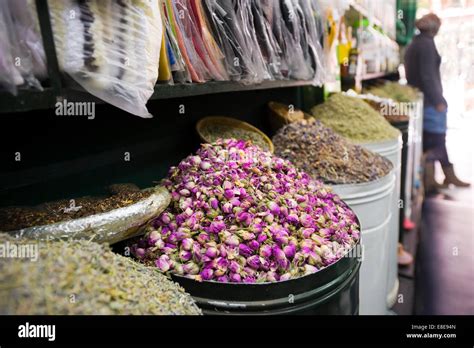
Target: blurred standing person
422,63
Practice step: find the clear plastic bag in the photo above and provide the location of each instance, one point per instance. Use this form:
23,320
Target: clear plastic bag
111,48
25,20
180,71
314,34
262,12
215,57
16,34
232,23
290,29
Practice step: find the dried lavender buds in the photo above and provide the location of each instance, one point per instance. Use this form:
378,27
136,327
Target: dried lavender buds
354,119
75,278
327,156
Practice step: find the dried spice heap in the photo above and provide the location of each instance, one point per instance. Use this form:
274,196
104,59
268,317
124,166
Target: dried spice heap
354,119
85,278
327,156
15,218
395,91
217,131
239,214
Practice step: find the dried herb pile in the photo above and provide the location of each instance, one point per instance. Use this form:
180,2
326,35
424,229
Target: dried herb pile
397,92
15,218
325,155
354,119
73,278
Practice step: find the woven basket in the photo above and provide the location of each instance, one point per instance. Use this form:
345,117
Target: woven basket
278,118
231,123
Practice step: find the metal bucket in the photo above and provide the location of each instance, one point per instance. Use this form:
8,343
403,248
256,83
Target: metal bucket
392,150
372,203
333,290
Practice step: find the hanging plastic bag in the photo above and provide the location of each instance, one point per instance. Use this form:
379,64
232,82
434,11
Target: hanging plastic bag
10,77
247,27
215,57
313,34
16,60
111,48
272,53
25,21
228,19
180,71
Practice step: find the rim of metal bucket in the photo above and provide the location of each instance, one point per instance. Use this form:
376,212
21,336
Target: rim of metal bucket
378,191
385,148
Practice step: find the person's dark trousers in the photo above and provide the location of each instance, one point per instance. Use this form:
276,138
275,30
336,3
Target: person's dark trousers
434,145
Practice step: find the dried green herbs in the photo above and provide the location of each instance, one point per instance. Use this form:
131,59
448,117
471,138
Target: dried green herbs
327,156
219,131
354,119
397,92
85,278
14,218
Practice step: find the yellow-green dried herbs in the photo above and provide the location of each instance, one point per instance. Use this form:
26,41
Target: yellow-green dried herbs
327,156
79,277
397,92
354,119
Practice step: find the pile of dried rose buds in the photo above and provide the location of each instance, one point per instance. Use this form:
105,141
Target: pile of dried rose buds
240,214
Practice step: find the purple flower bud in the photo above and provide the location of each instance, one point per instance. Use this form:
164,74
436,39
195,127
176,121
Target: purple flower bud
244,218
212,252
274,208
307,232
166,218
292,218
280,257
254,245
223,279
207,274
265,251
269,218
228,194
246,235
289,251
153,238
272,276
306,220
203,238
235,202
222,250
234,267
217,226
249,279
205,165
232,241
185,255
244,250
227,185
253,262
187,243
163,263
314,259
191,268
285,276
214,203
235,277
140,253
262,238
308,269
227,208
184,192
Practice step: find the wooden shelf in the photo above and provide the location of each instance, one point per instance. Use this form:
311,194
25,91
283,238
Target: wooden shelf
30,100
